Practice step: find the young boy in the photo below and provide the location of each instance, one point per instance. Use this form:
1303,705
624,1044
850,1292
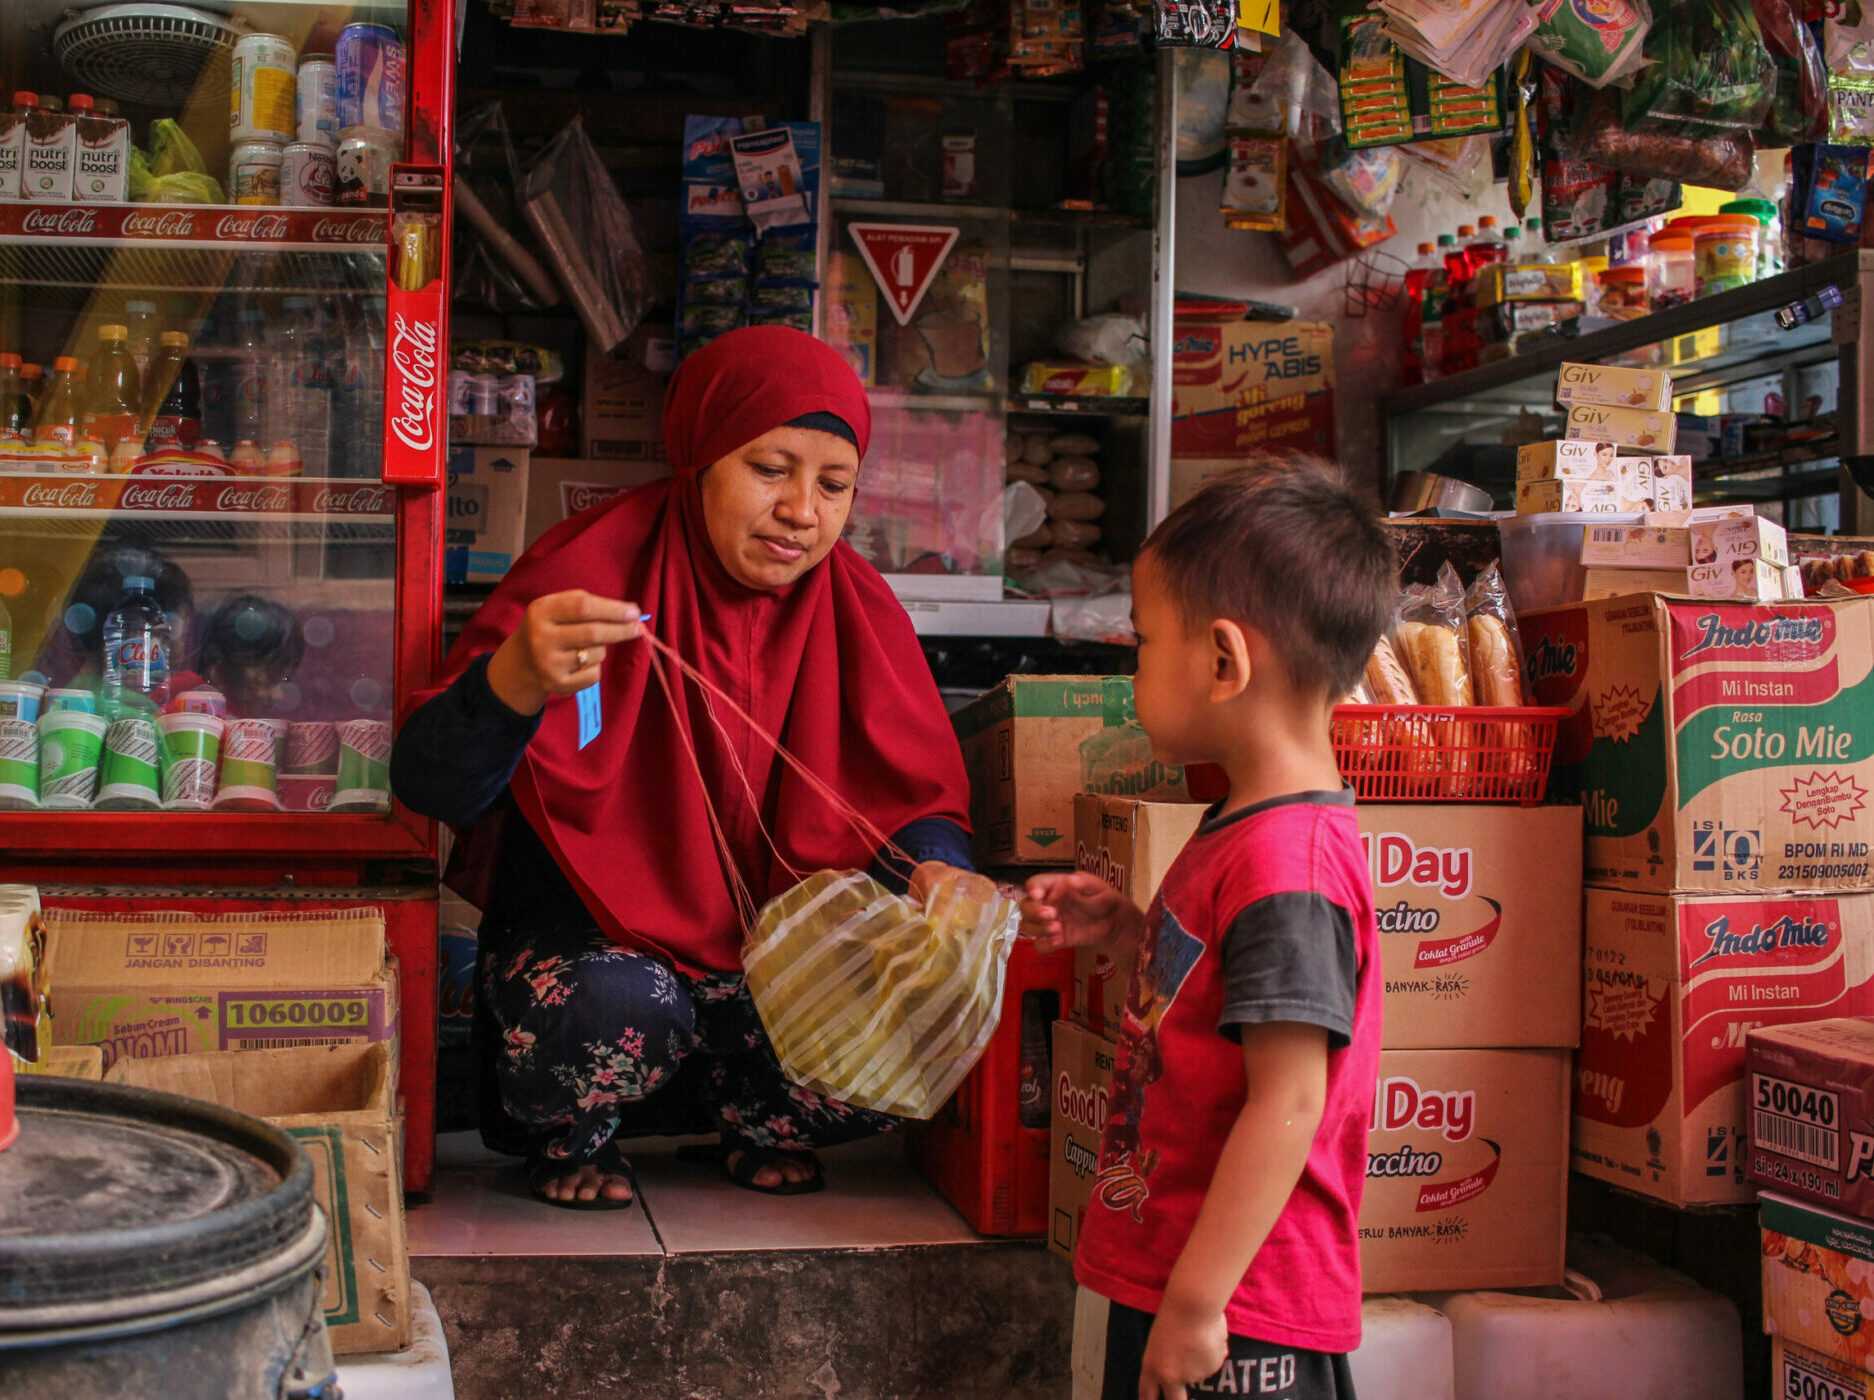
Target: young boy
1220,1253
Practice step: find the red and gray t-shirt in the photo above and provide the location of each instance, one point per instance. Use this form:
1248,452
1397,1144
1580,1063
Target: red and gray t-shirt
1266,916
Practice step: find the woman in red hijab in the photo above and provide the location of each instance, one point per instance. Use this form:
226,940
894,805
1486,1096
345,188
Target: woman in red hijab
610,998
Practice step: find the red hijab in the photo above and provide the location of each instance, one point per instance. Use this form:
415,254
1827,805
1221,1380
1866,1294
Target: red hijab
830,666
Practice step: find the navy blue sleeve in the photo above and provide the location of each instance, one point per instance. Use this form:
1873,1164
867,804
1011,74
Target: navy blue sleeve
927,838
454,757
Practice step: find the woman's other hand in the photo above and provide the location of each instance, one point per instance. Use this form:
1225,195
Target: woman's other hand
559,647
1076,910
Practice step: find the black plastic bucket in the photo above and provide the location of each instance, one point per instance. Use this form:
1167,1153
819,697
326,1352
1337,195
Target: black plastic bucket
152,1245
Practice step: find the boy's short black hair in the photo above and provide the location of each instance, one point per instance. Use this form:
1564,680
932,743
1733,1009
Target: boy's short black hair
1285,546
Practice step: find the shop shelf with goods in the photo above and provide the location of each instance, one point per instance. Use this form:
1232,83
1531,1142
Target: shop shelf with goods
1771,416
221,510
1051,187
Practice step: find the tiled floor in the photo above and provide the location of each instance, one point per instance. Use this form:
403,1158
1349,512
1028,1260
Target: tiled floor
481,1206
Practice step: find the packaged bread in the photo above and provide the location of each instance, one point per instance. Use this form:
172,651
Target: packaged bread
1496,651
1037,450
1074,473
1433,643
1077,505
1386,679
1074,534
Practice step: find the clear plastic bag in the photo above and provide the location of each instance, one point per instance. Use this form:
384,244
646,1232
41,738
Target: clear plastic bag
877,1000
1708,72
491,267
587,235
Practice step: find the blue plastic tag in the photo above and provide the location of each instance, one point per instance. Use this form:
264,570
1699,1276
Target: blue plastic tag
590,718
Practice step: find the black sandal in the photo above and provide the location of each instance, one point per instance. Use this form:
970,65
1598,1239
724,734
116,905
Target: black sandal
753,1161
610,1161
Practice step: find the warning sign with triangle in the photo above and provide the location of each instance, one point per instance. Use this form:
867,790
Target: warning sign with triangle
904,259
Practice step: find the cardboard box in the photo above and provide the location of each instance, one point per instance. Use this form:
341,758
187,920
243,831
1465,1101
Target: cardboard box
559,487
1034,742
487,524
1715,746
1818,1281
1598,583
1467,1174
1565,459
1512,282
1672,482
1644,429
1083,1079
1130,844
161,983
622,411
1479,914
1811,1096
1188,475
1610,386
1746,580
1798,1372
25,985
339,1102
1736,538
1673,985
1623,546
1240,387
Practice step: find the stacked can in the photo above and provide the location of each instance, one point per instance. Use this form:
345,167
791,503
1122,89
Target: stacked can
309,774
309,172
363,767
131,775
250,766
260,117
371,85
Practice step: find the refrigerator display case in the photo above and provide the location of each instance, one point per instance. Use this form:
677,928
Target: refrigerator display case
224,235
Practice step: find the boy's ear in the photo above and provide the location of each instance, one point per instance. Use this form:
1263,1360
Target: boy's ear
1230,664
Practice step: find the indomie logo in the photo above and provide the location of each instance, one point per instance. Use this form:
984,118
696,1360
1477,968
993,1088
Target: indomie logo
1553,658
413,356
1753,632
1786,932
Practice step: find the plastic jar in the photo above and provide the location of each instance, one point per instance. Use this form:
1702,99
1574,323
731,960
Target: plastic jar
1671,274
1770,236
1725,253
1623,293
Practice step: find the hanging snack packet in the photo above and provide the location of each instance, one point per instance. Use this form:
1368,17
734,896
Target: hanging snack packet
768,171
1599,44
1708,72
1255,184
1831,192
1848,51
1366,180
1195,24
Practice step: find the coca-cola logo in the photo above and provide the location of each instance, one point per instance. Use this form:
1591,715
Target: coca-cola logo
362,500
369,229
414,393
253,227
253,498
67,222
168,223
74,495
169,497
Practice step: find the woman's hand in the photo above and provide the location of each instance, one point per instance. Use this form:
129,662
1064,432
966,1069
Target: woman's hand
559,648
1077,910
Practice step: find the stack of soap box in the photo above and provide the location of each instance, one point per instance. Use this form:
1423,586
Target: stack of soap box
1729,553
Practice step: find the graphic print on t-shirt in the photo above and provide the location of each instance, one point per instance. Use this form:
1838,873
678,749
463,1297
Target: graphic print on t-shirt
1166,958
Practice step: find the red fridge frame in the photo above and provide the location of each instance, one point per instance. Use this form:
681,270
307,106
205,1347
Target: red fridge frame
329,853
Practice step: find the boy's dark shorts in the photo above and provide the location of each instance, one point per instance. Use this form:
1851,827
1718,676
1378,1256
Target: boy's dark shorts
1109,1349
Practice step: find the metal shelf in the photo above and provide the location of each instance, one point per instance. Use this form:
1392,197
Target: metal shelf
1100,407
1795,454
911,209
77,502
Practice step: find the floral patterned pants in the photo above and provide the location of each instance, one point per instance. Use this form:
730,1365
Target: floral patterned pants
596,1041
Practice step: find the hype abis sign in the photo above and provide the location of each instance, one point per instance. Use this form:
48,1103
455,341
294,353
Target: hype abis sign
1244,386
1674,984
1479,912
1724,747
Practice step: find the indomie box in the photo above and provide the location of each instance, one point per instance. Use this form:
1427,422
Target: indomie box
339,1103
1811,1098
1715,746
1082,1081
1818,1281
1033,742
1674,984
164,983
1245,386
1467,1171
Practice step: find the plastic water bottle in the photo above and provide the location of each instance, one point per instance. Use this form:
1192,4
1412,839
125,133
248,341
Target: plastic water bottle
137,649
249,379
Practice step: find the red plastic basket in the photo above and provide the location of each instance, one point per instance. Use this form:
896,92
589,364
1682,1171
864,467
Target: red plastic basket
1432,753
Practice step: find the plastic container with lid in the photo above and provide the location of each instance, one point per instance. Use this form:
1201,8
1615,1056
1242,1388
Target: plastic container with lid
1725,253
1770,238
1623,292
1671,271
1404,1351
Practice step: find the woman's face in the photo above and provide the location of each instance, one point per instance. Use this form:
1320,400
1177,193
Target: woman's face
776,506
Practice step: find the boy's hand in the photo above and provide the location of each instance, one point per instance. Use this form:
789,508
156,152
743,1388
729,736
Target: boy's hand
1076,910
1186,1346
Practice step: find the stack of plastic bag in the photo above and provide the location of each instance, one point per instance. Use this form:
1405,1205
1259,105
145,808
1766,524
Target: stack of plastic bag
874,999
1466,40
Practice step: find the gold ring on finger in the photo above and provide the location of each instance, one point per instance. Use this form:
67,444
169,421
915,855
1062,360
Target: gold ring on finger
580,658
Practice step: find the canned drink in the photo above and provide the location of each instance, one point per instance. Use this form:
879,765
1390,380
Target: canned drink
362,166
370,77
415,236
316,106
204,700
308,175
254,171
262,91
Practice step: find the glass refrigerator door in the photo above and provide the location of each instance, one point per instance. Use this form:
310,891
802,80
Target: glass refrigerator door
204,561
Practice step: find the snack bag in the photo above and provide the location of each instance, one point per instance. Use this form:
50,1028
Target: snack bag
877,1000
1599,44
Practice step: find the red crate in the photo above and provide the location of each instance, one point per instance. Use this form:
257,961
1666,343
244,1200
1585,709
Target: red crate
1457,753
976,1151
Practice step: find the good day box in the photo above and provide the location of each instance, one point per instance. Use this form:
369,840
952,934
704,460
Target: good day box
1715,746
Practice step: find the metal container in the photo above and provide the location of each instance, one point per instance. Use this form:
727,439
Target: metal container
308,175
156,1245
254,172
363,163
261,93
1416,491
370,77
316,107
